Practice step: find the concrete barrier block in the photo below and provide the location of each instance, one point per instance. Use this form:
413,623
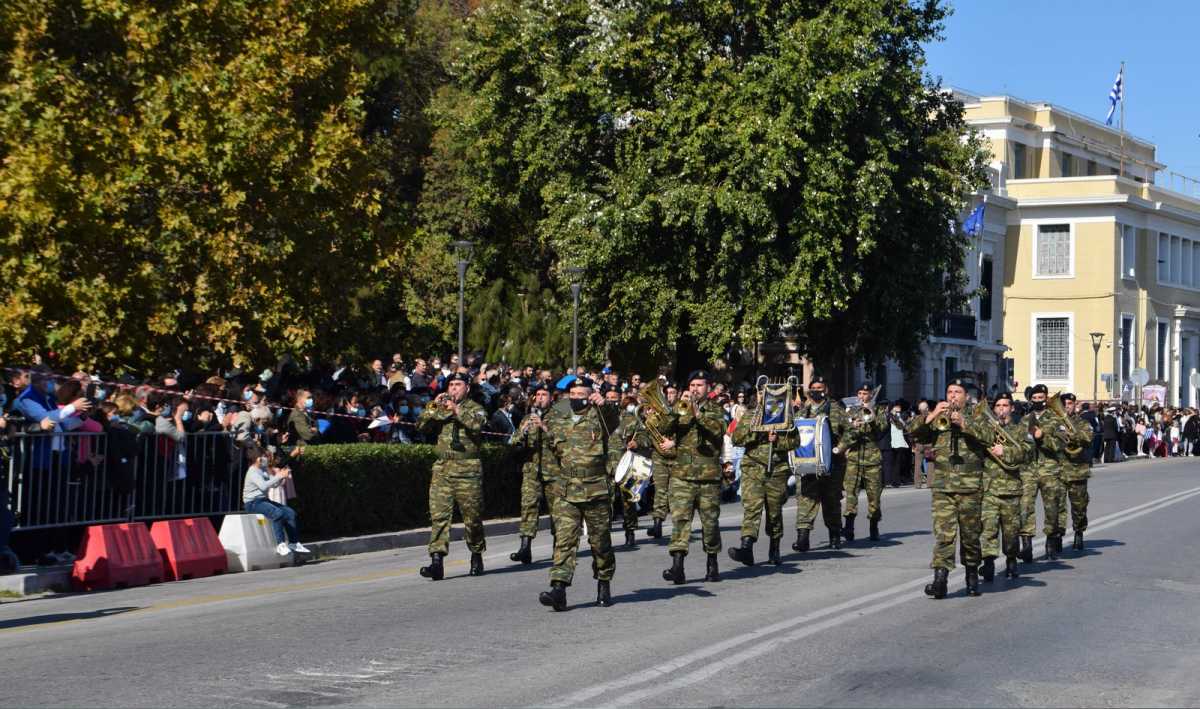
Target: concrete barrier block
249,542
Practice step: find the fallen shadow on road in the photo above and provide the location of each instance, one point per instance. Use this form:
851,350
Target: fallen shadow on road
760,568
644,595
1091,547
63,617
819,555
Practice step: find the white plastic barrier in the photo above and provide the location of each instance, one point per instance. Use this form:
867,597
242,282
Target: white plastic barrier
249,541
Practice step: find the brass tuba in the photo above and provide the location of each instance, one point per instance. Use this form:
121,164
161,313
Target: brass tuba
654,414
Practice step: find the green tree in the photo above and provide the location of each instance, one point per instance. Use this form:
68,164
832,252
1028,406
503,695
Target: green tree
211,182
724,171
519,322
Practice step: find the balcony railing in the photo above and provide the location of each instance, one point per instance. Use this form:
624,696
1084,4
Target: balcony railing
960,327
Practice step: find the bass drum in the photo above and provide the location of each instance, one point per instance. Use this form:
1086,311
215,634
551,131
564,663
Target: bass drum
814,455
633,475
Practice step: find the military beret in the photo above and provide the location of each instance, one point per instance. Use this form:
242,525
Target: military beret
580,382
817,380
1067,397
1038,389
701,374
1003,395
864,387
458,377
956,382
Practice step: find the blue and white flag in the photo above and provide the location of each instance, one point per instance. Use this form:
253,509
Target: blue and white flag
974,223
1115,94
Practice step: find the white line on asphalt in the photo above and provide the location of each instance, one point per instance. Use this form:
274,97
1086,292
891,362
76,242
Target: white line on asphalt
887,598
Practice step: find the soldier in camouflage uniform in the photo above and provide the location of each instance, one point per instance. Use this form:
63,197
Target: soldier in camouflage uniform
579,436
863,465
1076,469
1042,475
537,475
1002,493
824,490
455,422
958,487
662,462
696,476
623,436
765,473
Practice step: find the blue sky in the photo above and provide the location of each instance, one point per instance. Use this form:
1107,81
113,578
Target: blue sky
1068,53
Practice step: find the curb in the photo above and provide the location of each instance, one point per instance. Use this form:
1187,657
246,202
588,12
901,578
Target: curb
34,579
408,538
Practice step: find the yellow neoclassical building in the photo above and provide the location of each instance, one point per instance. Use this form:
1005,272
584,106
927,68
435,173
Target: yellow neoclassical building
1093,249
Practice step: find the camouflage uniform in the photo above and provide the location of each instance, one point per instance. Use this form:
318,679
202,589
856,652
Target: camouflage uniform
1041,475
537,481
457,473
580,443
660,470
626,431
1002,496
1075,473
758,488
696,476
863,460
957,490
823,490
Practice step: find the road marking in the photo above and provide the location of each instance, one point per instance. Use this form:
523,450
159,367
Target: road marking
829,617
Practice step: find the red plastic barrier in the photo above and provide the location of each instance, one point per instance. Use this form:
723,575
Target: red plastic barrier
116,555
189,548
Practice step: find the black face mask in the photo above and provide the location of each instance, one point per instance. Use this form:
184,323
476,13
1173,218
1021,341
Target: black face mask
1039,405
817,395
578,405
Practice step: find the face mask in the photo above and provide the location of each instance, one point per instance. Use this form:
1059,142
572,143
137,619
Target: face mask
817,395
631,408
578,405
1039,405
404,410
50,386
424,399
360,411
248,395
417,411
259,428
187,416
101,394
165,411
263,463
308,403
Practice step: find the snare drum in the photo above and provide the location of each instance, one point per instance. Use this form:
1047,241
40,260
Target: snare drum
633,475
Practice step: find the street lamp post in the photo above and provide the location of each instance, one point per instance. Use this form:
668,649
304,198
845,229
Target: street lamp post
1097,338
462,249
576,275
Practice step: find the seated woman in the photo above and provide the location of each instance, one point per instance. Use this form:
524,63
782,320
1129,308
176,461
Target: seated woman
262,475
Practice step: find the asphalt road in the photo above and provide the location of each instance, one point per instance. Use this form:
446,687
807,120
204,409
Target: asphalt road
1115,625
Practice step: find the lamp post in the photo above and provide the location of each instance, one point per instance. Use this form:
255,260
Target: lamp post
1097,338
576,275
462,249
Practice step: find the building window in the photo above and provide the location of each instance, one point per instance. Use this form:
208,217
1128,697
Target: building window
985,289
1164,249
1195,266
1128,347
1018,163
1128,251
1174,258
1053,250
1163,360
951,371
1053,348
1185,264
1091,168
1067,164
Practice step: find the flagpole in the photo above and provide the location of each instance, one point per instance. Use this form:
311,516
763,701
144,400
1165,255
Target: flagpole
1122,75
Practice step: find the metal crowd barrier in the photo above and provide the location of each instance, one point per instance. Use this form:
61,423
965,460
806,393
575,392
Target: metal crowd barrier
69,479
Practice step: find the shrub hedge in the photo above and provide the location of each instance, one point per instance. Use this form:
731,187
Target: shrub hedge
367,488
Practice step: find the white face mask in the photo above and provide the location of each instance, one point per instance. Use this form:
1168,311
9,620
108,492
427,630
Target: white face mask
631,408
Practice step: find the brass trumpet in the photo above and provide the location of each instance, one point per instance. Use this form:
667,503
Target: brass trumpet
943,421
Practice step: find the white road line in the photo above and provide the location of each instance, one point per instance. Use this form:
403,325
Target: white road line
880,600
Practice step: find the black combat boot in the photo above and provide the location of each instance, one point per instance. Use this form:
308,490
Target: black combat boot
848,529
801,543
675,573
1051,549
875,529
524,554
712,573
835,538
744,553
1078,545
988,569
476,564
556,597
434,571
630,539
1027,549
603,594
773,553
973,583
937,589
655,530
1010,567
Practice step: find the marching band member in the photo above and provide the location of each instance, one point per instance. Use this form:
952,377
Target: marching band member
765,473
1001,508
824,490
622,440
1076,469
537,475
1041,476
863,462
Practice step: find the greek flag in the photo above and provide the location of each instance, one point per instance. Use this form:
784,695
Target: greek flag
1115,94
974,223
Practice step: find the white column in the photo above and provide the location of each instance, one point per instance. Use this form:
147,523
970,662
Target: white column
1174,364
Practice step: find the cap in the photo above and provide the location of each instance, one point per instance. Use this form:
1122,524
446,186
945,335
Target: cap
458,377
865,386
1003,395
1068,396
818,379
1038,389
580,382
956,382
701,374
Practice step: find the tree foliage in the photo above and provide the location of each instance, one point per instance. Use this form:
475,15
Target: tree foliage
208,182
724,171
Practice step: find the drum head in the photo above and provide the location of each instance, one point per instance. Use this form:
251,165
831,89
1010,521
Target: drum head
623,466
